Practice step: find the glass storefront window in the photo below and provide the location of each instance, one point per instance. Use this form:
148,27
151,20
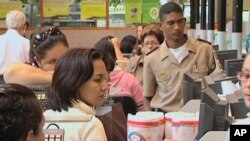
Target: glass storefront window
84,13
29,7
65,13
117,13
123,13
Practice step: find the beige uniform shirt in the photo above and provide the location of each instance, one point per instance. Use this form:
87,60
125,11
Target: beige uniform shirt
135,67
163,75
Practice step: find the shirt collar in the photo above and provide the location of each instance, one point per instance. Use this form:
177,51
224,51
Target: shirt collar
164,51
12,31
190,45
84,107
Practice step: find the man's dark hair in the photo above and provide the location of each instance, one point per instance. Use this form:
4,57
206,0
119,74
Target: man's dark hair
20,112
127,44
127,47
169,8
129,38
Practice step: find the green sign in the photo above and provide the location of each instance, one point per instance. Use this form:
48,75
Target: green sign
150,12
133,11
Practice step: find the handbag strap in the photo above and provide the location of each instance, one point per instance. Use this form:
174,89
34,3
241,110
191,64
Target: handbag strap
52,124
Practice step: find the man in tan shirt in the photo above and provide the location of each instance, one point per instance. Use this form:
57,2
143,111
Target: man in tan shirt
178,54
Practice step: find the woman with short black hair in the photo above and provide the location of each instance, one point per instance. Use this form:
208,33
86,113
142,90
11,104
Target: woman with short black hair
79,84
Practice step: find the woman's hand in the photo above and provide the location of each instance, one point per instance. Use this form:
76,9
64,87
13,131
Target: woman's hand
116,42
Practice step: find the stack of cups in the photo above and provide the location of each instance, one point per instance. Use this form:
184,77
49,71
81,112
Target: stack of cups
146,126
188,129
181,126
168,124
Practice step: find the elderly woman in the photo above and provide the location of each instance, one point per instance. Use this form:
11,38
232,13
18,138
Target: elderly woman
151,38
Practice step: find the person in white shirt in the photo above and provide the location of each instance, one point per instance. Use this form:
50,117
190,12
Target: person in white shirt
13,46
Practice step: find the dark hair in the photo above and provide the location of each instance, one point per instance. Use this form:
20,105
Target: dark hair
168,8
109,37
20,112
127,47
129,38
72,70
27,24
44,40
107,48
127,43
154,30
